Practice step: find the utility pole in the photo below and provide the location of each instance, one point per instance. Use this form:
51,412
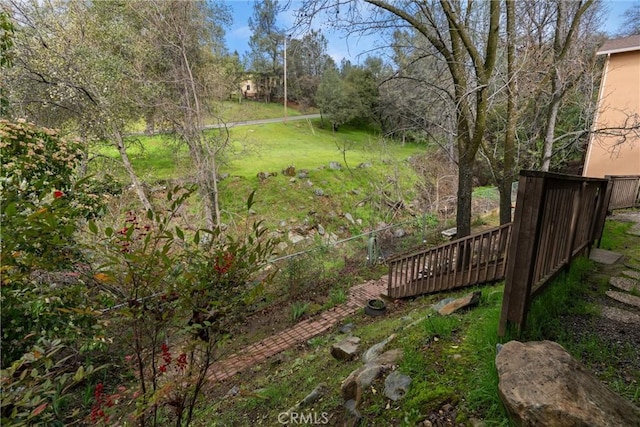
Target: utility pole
285,79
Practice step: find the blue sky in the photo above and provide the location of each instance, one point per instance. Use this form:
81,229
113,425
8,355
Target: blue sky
340,47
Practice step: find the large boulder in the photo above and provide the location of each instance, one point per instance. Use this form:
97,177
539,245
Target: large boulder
542,385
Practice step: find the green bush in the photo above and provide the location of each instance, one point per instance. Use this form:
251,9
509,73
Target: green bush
47,316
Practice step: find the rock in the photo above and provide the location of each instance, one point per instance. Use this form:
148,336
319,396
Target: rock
335,166
540,384
289,171
388,358
320,229
470,300
315,394
349,218
345,349
399,232
354,385
353,413
303,174
295,237
437,306
375,350
632,274
331,239
346,328
365,165
318,192
602,256
624,298
396,385
233,391
620,315
625,283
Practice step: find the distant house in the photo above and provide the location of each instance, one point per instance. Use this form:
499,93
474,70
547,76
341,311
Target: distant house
610,153
249,88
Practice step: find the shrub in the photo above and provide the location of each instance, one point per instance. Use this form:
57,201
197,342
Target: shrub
180,296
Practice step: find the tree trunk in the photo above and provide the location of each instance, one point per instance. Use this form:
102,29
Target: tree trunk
504,186
547,151
465,189
137,185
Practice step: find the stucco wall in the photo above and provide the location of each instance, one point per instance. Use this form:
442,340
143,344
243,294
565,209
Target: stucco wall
619,98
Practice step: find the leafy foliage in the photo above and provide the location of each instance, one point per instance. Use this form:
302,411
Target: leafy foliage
47,319
40,202
35,387
180,294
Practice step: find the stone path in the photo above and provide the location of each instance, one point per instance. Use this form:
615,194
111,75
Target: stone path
300,333
626,285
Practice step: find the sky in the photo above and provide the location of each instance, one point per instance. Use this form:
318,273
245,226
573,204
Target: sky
341,47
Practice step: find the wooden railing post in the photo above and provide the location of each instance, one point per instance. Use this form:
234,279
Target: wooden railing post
604,197
522,250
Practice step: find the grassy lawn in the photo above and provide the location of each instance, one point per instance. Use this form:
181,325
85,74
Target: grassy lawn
270,148
273,147
267,148
234,111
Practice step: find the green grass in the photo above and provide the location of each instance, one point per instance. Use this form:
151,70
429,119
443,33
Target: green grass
304,145
267,148
614,233
234,111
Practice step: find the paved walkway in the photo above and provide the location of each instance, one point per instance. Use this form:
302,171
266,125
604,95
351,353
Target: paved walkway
301,332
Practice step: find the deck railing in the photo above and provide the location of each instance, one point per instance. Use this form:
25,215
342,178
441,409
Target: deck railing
557,218
479,258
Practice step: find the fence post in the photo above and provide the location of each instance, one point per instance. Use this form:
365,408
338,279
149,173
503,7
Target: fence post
523,250
604,197
603,209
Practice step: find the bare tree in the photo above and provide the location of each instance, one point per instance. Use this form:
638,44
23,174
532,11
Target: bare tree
184,42
470,56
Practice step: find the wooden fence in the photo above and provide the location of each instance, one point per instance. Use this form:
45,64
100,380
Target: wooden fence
556,218
625,192
479,258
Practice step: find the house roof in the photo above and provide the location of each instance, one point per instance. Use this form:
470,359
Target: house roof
624,44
